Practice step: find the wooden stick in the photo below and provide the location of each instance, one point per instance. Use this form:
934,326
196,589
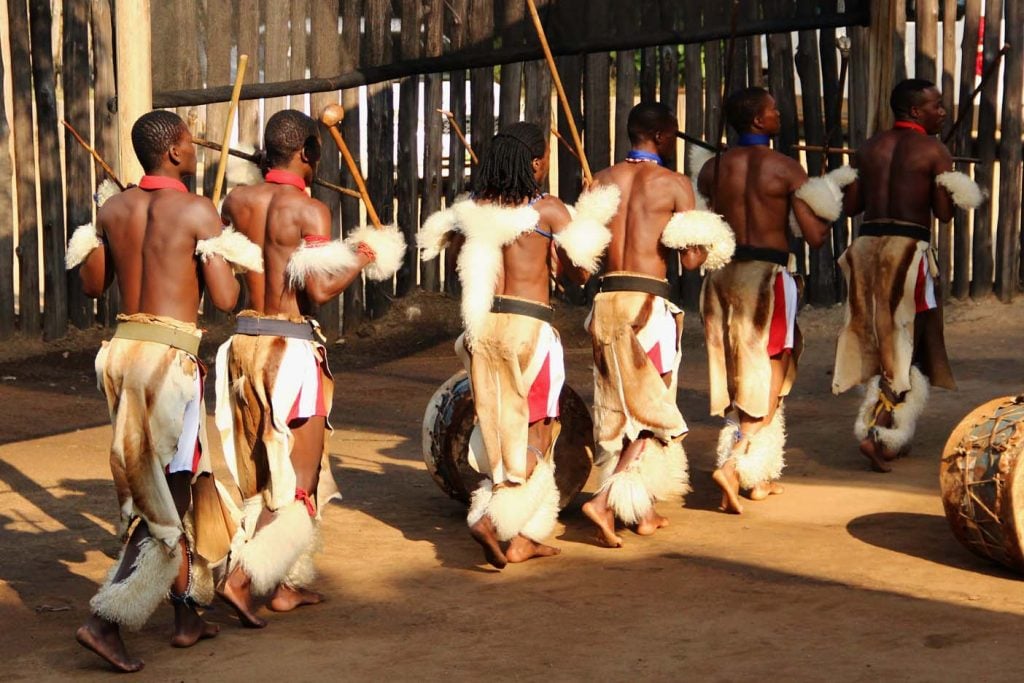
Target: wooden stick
588,177
331,116
565,143
222,164
697,141
95,155
254,159
725,82
849,151
458,131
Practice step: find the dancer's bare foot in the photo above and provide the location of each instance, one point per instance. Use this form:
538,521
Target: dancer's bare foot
286,598
104,638
190,628
727,480
484,534
870,449
765,489
651,523
604,518
235,592
522,549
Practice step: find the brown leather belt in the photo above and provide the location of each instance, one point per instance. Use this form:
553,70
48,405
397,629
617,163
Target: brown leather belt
273,327
636,283
532,309
746,252
178,339
890,229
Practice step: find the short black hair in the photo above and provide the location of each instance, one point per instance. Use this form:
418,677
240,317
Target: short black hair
646,119
743,106
287,132
907,94
506,171
153,134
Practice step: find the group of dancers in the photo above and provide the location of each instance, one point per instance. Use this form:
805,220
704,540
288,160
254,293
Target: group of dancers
274,390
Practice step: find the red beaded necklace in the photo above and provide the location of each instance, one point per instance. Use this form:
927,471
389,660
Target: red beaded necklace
910,125
279,177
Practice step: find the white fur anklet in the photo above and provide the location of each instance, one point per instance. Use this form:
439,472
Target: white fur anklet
130,601
904,415
530,509
763,460
272,551
660,471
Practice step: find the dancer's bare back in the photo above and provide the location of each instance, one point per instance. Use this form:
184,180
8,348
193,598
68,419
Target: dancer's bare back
526,263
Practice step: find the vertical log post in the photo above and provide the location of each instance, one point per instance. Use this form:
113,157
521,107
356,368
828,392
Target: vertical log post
7,326
981,284
134,67
625,92
354,302
276,38
247,32
597,114
408,147
298,44
926,36
1009,232
78,162
380,144
511,96
481,80
649,74
948,93
458,33
325,58
712,88
968,74
668,85
570,172
44,81
104,117
430,276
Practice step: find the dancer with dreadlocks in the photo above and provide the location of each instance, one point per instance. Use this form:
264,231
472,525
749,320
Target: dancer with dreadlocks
892,339
512,353
636,329
274,389
157,239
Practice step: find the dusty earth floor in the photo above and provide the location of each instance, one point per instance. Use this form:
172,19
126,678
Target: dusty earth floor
850,575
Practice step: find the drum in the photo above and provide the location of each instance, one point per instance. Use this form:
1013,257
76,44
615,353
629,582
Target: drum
982,479
452,442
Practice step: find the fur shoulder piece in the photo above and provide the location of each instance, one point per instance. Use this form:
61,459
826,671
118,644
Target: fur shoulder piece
587,236
389,246
704,229
436,231
825,194
487,228
235,248
321,259
105,191
82,243
966,193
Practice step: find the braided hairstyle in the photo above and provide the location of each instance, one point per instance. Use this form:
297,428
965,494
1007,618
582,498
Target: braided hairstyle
506,172
154,134
287,132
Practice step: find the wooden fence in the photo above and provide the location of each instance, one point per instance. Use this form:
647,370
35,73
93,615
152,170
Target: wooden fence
403,140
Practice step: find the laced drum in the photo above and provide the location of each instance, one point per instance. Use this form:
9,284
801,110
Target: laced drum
982,479
452,442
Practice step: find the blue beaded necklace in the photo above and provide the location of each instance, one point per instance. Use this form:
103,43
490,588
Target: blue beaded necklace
752,139
636,156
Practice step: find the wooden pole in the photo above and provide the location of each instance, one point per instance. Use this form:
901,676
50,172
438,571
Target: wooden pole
456,18
408,173
134,77
510,98
51,186
247,33
625,91
926,36
588,177
7,326
222,164
430,271
380,142
331,116
457,129
597,113
105,133
298,43
276,41
961,233
349,48
481,80
946,230
1008,235
94,154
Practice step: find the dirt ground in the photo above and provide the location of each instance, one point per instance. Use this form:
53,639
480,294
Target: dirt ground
849,576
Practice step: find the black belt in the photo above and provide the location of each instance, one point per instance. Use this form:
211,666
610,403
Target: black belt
745,252
887,229
272,327
636,283
530,309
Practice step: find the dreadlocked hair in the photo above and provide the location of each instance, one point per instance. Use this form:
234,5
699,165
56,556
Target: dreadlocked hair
287,132
743,106
153,134
506,172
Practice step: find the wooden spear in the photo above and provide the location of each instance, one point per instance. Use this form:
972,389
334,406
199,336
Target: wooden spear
222,164
331,116
95,155
458,131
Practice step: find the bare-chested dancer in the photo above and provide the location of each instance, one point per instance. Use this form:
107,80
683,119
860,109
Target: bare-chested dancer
512,353
749,307
893,337
636,328
161,242
274,389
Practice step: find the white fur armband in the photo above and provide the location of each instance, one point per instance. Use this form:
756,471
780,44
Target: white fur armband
824,195
587,236
105,191
82,243
322,259
235,248
701,229
387,243
436,233
965,192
